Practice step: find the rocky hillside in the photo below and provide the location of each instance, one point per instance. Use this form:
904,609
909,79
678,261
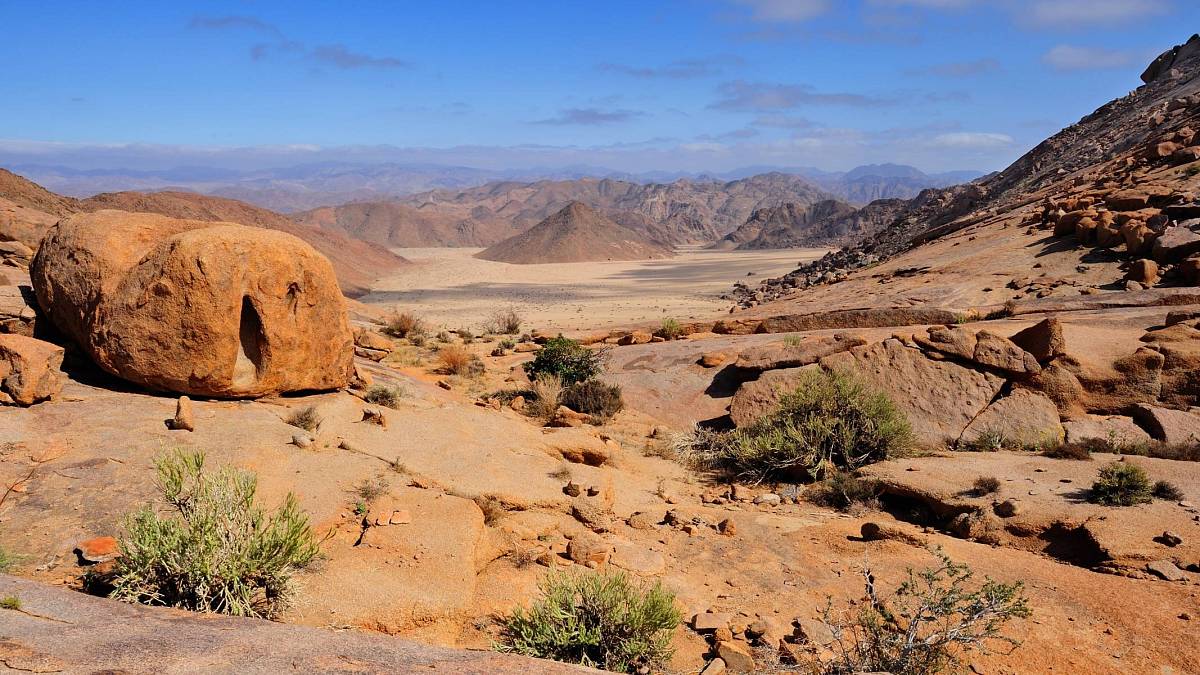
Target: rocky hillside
681,212
27,210
825,223
577,233
1120,178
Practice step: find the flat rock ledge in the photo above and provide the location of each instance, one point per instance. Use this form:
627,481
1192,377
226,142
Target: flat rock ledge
59,630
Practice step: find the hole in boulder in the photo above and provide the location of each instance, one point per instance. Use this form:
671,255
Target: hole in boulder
251,340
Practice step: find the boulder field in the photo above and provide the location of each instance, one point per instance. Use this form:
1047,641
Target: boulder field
200,308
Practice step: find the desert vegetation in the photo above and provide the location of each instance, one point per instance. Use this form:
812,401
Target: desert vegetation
593,397
215,550
829,422
604,620
927,626
1121,484
844,491
567,359
405,325
305,418
381,394
505,321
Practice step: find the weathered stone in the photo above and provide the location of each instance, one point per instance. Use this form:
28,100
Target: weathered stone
1114,428
939,398
950,340
713,359
1007,508
201,308
593,513
1143,271
1170,426
812,632
760,397
638,559
588,548
1165,570
1044,339
737,656
185,419
1023,416
371,340
999,352
637,337
30,369
793,356
714,667
98,550
1175,244
706,622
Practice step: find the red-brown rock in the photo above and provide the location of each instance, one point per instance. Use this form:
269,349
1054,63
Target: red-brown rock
29,370
209,309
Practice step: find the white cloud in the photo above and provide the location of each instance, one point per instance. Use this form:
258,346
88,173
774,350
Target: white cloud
786,11
1073,13
973,140
1068,57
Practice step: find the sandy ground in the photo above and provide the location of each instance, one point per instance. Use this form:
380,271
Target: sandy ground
450,287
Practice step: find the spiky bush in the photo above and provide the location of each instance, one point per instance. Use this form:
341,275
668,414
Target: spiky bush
986,485
505,321
568,359
547,392
829,422
670,329
603,620
929,623
381,394
403,325
1165,489
594,398
305,418
218,551
1121,484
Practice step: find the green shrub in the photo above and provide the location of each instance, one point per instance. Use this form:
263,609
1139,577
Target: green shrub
603,620
1165,489
989,441
10,602
381,394
670,329
507,344
1121,484
306,418
218,551
929,623
830,422
7,559
569,360
843,491
1080,451
594,398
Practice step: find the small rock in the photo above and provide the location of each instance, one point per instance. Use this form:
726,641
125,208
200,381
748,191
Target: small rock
302,441
727,527
643,521
737,656
444,385
769,499
714,667
741,493
1170,538
588,548
707,622
97,550
713,359
722,634
812,632
1166,570
1007,509
572,489
184,420
518,403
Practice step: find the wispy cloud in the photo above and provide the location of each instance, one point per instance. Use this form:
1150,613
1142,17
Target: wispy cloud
1070,58
1074,13
975,140
740,95
336,55
590,117
783,122
681,69
959,68
785,11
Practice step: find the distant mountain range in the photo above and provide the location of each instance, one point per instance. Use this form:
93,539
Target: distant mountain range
308,186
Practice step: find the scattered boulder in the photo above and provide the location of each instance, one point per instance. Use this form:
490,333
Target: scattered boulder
185,419
737,656
588,549
940,398
98,550
637,337
1143,271
713,359
199,308
984,348
1175,244
30,370
1170,426
810,351
759,397
1044,340
1023,416
1114,428
1165,570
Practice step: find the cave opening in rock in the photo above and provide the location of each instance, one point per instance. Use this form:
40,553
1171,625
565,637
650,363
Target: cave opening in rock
251,340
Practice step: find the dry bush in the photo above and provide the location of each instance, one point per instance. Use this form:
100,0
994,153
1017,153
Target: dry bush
845,491
547,392
1165,489
594,398
493,509
403,325
305,418
986,485
505,321
381,394
670,329
454,359
1073,451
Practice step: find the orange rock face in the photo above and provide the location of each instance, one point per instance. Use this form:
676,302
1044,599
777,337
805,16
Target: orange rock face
201,308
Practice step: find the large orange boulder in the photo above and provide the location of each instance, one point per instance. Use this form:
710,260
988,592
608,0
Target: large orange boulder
201,308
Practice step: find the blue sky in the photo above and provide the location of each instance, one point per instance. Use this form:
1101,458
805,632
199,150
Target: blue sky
636,86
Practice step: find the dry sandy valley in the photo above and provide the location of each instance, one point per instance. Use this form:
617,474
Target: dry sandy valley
452,288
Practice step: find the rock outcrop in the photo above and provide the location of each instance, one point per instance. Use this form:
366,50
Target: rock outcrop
577,233
208,309
29,370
